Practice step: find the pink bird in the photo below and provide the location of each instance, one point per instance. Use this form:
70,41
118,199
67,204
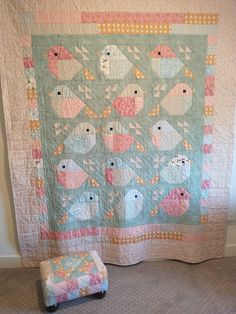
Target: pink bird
116,138
176,203
70,175
62,64
130,101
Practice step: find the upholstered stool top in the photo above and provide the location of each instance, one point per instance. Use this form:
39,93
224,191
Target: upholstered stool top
69,277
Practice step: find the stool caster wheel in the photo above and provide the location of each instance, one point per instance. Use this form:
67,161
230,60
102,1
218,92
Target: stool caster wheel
100,295
52,308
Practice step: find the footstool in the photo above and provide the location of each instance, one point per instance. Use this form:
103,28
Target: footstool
69,277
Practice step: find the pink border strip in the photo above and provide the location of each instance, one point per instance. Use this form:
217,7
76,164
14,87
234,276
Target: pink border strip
105,231
75,17
124,17
115,232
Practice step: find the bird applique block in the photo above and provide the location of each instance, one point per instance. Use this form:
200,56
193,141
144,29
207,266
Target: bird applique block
81,140
164,61
164,136
85,207
178,100
176,203
70,175
116,137
130,205
130,101
62,64
118,173
177,170
65,103
113,63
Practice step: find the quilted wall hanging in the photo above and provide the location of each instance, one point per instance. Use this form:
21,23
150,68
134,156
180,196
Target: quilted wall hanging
116,136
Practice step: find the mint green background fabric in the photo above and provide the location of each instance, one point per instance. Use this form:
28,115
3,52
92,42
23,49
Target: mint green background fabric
99,155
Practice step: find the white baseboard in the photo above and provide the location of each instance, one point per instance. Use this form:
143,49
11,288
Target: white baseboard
230,250
10,261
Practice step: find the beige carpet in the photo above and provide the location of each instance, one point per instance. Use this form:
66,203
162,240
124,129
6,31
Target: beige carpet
158,287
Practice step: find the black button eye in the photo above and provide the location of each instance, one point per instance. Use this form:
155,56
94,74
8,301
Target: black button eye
159,53
91,198
112,163
159,128
184,90
58,93
55,54
135,196
183,162
63,166
182,194
136,92
87,130
111,129
108,53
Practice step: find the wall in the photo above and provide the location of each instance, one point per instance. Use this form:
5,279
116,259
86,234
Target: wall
231,232
9,251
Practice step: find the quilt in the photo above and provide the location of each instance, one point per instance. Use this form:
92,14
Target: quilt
119,151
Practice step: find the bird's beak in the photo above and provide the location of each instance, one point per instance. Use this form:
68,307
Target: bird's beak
49,94
98,53
151,54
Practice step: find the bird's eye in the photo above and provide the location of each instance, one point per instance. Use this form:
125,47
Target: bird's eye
159,128
63,166
159,53
87,130
182,194
136,92
108,53
183,162
55,54
58,93
184,91
111,129
91,198
135,196
112,163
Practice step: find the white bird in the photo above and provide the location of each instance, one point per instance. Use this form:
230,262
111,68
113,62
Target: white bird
177,170
178,100
85,207
113,63
81,140
164,136
131,205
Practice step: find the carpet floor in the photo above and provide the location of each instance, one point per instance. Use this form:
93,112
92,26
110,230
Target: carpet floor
158,287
